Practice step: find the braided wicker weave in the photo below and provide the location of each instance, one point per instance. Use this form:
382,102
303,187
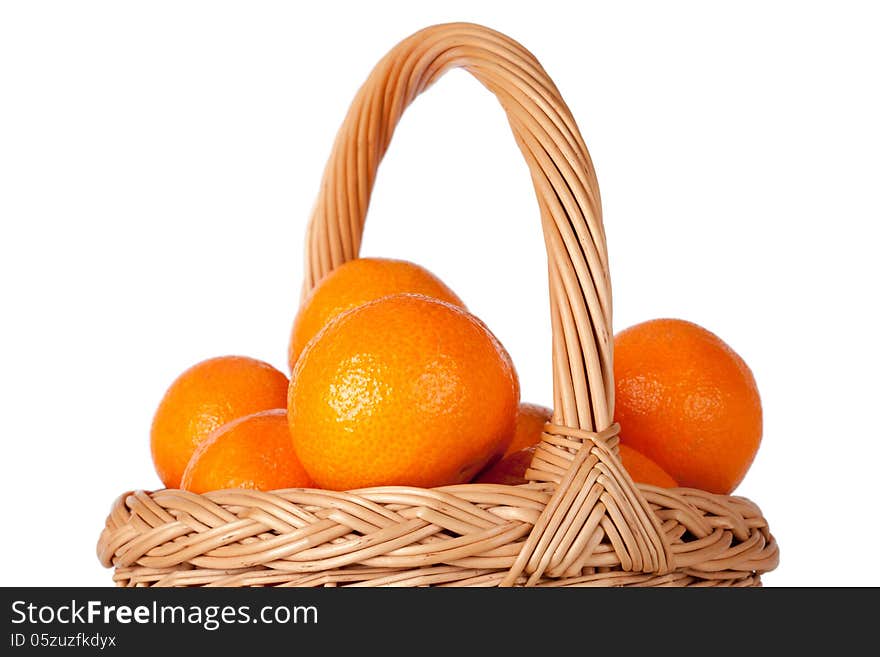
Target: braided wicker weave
581,522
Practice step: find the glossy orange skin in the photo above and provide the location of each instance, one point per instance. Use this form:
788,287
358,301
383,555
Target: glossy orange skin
643,470
510,471
205,397
405,390
530,421
355,283
687,401
254,451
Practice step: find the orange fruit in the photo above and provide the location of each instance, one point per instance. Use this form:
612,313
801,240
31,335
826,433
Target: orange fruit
688,402
356,283
205,397
510,471
254,451
643,470
530,421
405,390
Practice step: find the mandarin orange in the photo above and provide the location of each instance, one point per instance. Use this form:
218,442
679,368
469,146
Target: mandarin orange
530,421
404,390
688,402
510,471
205,397
643,470
355,283
254,451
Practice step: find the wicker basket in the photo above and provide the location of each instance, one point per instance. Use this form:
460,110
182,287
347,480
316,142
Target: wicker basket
580,522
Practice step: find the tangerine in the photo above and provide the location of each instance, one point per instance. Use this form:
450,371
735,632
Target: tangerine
205,397
404,390
355,283
643,470
510,471
687,401
254,451
530,421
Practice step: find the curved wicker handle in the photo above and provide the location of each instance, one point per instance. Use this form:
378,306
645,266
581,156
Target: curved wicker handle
580,292
568,194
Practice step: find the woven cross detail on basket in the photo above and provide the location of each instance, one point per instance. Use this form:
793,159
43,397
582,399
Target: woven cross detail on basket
581,521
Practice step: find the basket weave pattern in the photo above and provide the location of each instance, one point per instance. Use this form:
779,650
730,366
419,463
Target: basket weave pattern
580,522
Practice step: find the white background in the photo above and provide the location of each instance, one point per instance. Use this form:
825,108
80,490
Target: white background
158,162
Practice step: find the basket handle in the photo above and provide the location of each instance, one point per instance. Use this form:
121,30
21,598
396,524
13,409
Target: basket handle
580,291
